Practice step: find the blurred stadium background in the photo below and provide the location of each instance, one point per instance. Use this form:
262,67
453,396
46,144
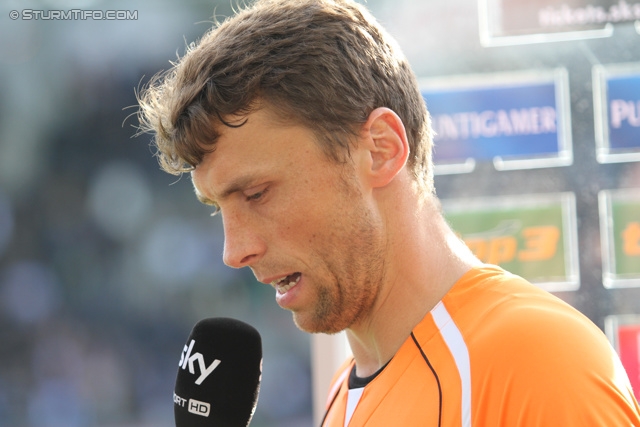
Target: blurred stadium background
106,262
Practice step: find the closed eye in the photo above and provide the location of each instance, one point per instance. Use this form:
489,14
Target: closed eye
256,196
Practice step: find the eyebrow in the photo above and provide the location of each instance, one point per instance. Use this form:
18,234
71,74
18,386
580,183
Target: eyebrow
235,186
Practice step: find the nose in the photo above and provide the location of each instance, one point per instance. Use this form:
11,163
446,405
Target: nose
243,245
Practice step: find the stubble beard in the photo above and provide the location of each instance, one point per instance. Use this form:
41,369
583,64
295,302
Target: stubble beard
354,261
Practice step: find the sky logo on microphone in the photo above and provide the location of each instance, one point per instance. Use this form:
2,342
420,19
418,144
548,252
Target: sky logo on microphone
187,360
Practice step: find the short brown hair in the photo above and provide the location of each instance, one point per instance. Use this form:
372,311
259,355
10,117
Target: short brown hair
326,64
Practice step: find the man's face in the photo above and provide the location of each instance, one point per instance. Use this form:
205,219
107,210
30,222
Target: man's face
301,222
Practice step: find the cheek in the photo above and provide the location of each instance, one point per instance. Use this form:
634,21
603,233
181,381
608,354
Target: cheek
305,230
308,209
302,230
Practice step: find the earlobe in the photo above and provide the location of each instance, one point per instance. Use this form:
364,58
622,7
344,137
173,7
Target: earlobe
386,141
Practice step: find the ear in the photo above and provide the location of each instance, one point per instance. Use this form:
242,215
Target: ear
385,145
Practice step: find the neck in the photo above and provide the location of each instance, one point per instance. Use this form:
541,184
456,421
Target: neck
424,260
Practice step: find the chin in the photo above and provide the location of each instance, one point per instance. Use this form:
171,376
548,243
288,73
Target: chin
317,326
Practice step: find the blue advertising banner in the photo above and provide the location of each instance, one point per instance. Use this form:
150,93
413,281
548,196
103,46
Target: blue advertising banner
516,120
616,91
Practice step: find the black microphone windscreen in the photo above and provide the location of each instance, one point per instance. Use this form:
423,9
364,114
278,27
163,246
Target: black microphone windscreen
218,375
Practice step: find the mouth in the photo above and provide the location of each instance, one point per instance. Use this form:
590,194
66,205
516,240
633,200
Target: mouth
284,284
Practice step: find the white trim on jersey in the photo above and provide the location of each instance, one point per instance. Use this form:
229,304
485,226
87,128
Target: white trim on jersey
454,340
354,397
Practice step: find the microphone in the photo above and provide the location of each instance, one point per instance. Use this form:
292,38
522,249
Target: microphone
218,375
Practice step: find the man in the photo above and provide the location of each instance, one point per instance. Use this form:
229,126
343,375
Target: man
302,124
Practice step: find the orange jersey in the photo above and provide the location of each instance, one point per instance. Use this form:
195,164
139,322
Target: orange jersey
495,352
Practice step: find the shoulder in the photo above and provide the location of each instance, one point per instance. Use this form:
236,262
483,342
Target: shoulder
539,356
506,320
491,303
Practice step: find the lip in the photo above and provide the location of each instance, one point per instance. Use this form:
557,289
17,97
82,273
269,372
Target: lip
289,298
270,279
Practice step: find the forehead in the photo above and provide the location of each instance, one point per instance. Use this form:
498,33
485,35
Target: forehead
262,145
